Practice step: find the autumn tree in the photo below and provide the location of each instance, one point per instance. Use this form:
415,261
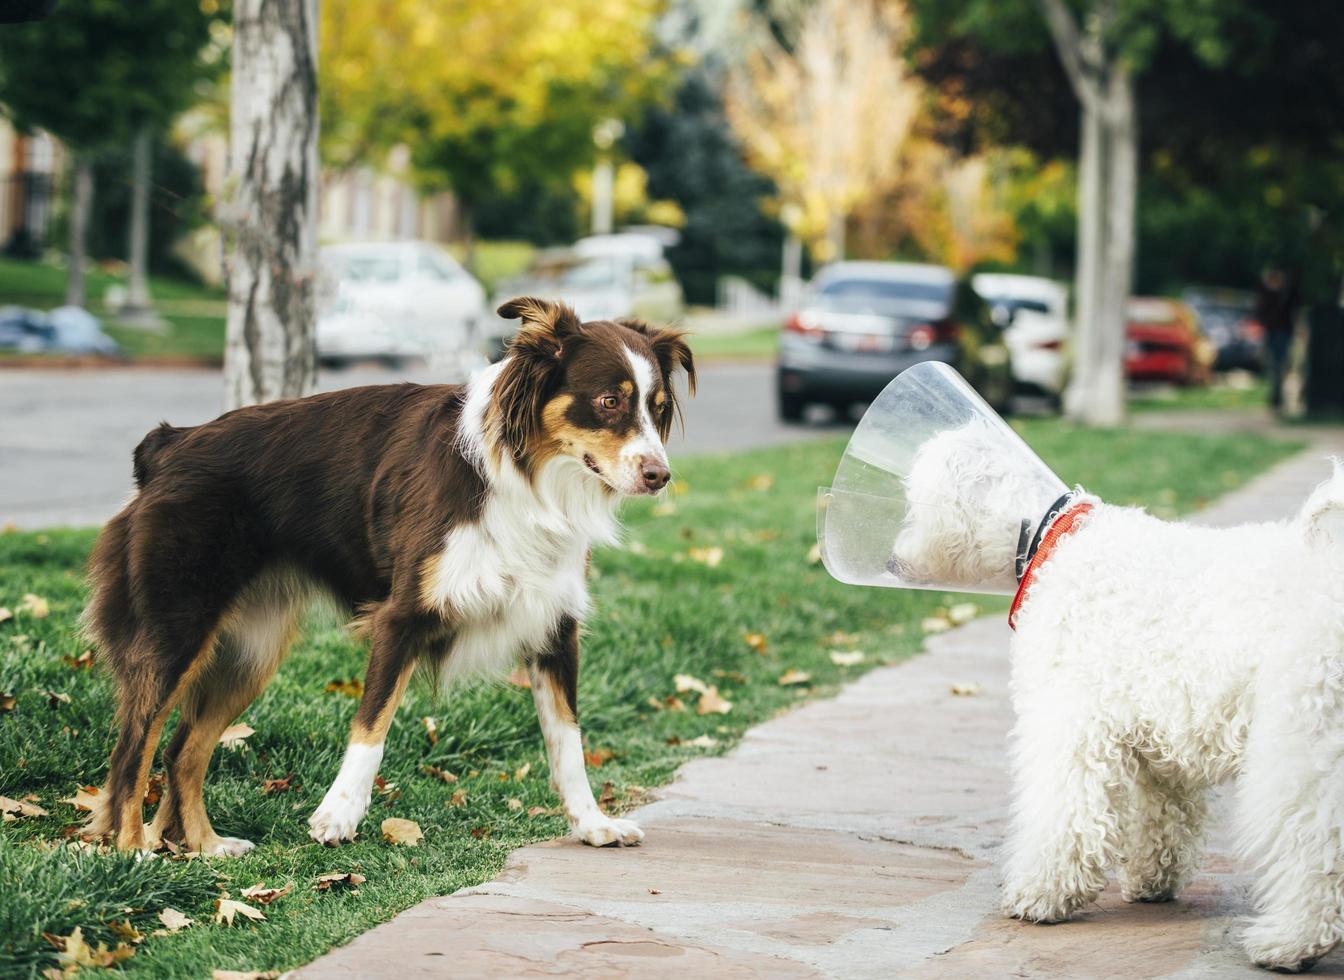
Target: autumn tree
270,221
488,97
824,114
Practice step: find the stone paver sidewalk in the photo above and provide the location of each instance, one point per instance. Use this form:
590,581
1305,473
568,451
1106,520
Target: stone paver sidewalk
854,837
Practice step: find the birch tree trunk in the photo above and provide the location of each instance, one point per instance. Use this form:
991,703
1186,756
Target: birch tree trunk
271,221
81,203
1087,286
1107,404
137,250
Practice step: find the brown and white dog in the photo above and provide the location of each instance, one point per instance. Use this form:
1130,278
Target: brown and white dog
456,520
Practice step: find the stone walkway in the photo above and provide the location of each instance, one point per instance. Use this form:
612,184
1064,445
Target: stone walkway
854,837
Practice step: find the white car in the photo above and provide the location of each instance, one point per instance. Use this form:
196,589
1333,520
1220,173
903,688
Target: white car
1034,314
396,300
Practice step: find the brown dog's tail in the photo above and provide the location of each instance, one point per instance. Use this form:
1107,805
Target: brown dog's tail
151,448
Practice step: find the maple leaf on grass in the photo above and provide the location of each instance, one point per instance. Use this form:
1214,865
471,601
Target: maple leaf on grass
792,676
846,658
227,909
337,880
596,757
173,920
713,703
85,798
20,808
263,895
406,833
233,736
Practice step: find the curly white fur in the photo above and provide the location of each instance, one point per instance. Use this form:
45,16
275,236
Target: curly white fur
1153,660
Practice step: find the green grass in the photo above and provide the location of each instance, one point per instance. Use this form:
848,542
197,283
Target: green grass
1220,395
658,612
759,344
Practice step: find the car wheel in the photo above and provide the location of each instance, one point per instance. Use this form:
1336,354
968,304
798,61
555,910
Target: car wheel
791,407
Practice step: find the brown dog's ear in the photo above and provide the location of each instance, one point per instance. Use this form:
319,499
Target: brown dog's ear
546,326
527,378
672,351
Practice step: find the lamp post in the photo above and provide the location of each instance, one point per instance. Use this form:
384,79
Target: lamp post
605,135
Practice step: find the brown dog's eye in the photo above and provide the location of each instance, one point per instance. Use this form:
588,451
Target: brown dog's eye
609,402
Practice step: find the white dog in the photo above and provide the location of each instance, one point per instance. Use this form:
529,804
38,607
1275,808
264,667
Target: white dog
1152,661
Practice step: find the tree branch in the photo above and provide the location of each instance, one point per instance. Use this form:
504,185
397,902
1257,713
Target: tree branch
1069,44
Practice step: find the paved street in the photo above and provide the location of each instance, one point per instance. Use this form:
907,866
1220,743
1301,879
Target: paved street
855,837
66,436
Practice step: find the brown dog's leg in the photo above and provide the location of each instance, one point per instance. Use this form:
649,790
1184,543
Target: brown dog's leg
398,638
555,681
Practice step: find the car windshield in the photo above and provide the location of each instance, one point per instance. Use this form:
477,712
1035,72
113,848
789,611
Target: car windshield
594,273
877,294
1013,305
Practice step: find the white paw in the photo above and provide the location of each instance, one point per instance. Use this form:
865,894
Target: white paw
603,831
1271,949
227,847
336,820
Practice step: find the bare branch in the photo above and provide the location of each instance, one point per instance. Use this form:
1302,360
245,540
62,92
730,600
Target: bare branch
1069,43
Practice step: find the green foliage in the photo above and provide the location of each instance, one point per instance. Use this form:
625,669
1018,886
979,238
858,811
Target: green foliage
691,158
176,205
658,612
96,70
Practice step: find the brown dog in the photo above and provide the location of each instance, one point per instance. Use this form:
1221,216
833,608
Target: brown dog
457,520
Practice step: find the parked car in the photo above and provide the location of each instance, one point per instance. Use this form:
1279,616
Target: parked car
1227,319
863,323
1033,313
395,300
1164,342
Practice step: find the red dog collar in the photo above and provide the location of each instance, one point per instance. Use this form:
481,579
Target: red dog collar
1063,525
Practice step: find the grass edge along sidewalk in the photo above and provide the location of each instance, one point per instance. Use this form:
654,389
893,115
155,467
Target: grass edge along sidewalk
717,582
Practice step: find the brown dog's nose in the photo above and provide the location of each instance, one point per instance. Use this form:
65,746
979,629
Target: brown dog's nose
654,473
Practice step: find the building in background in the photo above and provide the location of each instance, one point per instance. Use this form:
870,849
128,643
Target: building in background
28,169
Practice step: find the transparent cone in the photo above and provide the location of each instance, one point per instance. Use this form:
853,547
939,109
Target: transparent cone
933,491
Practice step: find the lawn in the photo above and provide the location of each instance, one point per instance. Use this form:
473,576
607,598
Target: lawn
759,344
1233,393
715,581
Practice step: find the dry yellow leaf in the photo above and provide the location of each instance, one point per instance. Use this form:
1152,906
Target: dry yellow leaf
963,612
232,737
792,676
174,920
712,703
514,803
21,808
263,895
5,614
521,772
339,879
846,658
459,798
431,729
351,687
33,605
707,556
966,689
406,833
685,682
227,909
85,798
757,642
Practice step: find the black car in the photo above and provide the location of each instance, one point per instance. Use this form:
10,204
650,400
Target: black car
1227,318
866,322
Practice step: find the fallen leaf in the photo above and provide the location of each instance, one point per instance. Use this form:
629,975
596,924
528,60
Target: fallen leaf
654,891
7,703
685,682
72,952
761,482
962,612
665,509
513,803
334,880
842,658
521,772
480,833
262,895
20,808
174,920
227,908
385,788
518,677
232,737
841,639
281,785
431,729
83,662
707,556
702,742
126,931
459,798
712,703
244,974
5,614
814,554
404,832
85,798
595,757
669,703
537,811
756,641
608,795
935,624
442,775
968,689
351,688
33,605
154,788
55,698
792,676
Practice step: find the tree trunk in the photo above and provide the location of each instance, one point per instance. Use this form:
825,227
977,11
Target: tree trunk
81,203
271,222
1086,287
137,250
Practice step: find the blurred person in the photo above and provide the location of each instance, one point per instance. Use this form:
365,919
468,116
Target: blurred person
1276,302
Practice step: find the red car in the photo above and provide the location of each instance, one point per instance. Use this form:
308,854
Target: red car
1164,342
